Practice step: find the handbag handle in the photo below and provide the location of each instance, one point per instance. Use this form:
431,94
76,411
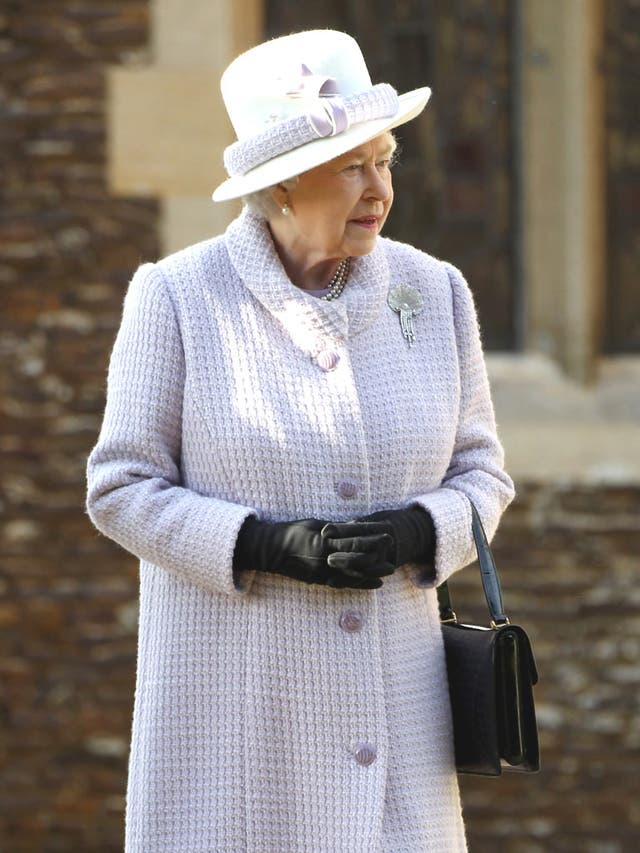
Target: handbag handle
488,574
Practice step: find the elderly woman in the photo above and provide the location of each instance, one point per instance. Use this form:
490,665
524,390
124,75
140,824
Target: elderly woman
298,416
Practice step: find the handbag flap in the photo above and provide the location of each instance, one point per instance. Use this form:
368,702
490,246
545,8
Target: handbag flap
515,675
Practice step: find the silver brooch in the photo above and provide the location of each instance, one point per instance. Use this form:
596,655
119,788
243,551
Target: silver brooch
407,302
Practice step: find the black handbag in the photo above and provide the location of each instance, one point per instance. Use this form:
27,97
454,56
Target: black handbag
491,672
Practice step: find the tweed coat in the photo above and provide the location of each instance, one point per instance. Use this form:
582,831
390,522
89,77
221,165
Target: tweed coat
271,715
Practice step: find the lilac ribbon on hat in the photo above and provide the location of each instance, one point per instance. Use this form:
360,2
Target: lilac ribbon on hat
329,117
328,114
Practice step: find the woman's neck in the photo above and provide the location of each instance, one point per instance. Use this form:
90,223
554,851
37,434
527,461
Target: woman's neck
307,270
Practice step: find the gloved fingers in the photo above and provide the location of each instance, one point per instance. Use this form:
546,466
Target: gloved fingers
303,539
340,581
358,536
355,529
369,565
380,544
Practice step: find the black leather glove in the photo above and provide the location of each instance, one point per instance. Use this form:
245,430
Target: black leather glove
414,535
316,552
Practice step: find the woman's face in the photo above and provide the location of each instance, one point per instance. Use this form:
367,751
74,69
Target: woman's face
337,209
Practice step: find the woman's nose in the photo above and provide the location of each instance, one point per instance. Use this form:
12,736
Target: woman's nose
379,185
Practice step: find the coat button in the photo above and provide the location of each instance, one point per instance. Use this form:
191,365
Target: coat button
351,621
347,489
328,359
365,755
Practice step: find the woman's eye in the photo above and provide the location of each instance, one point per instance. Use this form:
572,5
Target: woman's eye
353,167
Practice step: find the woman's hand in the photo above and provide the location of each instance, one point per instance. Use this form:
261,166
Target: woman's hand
413,533
342,555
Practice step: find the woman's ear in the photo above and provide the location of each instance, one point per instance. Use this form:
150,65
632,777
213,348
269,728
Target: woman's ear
280,196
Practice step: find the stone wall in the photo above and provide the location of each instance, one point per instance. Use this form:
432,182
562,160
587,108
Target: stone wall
568,555
67,250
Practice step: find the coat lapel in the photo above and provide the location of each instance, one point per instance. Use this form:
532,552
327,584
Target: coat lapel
310,322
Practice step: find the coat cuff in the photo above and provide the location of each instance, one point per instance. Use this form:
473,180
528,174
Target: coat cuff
451,513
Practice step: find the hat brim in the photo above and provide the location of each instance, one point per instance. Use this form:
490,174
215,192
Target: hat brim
320,150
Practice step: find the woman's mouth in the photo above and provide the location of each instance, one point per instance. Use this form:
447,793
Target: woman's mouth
369,222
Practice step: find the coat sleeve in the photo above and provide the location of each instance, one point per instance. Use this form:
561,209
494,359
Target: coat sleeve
476,469
135,495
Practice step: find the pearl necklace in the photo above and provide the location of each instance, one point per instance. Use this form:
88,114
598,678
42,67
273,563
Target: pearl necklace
339,280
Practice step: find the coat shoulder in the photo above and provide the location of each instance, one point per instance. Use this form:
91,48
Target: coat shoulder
194,257
201,267
413,266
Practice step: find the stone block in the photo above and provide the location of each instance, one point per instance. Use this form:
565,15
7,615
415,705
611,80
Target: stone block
167,127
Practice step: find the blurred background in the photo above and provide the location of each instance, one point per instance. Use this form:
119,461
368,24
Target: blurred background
524,171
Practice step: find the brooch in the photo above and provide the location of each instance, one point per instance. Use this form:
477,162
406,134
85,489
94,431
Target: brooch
407,302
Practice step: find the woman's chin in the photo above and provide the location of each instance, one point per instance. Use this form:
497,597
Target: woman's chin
362,244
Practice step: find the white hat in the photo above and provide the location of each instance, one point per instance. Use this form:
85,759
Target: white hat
301,100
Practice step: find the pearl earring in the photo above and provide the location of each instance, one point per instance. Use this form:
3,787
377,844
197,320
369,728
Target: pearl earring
285,210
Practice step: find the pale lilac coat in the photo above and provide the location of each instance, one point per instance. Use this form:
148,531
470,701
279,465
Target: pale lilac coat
272,716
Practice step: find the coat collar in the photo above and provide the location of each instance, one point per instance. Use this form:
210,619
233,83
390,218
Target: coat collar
310,322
